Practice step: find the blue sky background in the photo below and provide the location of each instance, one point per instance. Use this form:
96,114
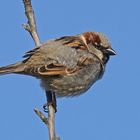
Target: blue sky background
110,110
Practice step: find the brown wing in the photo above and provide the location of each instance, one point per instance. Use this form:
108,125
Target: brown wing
55,70
31,52
77,42
48,70
53,67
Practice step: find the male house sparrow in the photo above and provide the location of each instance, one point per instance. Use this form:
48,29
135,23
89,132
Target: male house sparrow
66,66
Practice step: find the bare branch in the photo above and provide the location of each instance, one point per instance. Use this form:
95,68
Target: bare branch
31,26
41,116
49,122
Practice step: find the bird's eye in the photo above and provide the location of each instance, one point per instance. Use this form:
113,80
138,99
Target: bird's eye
101,44
98,45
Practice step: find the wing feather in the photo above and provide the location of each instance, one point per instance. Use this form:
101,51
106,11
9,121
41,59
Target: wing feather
46,61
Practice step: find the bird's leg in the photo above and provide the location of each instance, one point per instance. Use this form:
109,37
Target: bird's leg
51,100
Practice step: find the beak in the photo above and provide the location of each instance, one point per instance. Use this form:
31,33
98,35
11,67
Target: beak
110,51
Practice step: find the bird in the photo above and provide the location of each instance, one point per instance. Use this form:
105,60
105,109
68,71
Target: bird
66,66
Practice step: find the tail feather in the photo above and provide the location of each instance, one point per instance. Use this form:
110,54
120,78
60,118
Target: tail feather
13,68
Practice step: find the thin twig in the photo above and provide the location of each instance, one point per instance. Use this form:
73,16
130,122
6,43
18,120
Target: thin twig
41,116
49,122
31,26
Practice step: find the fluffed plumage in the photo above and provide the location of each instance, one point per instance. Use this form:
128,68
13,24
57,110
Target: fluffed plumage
68,65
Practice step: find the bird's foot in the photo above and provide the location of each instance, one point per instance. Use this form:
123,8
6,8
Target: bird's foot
46,105
51,100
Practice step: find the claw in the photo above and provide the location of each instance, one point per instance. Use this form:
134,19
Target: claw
45,107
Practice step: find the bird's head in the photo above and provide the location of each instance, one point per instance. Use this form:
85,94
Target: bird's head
99,43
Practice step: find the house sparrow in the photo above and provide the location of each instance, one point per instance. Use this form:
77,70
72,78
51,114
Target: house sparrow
66,66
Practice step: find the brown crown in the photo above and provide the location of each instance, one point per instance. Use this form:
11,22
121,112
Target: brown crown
92,37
